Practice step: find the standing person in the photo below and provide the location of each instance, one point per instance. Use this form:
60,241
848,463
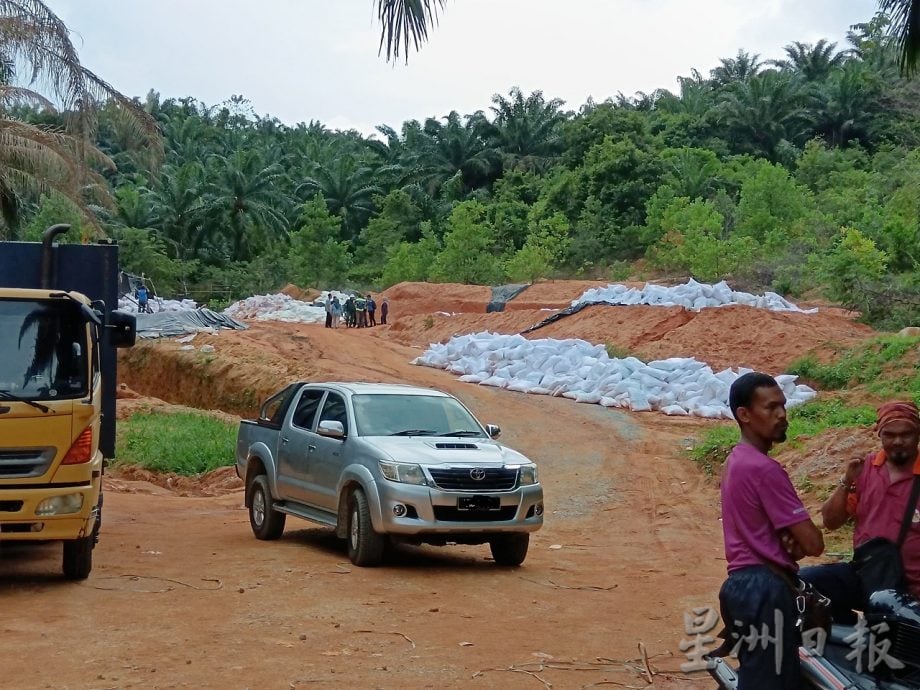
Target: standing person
361,311
766,530
142,298
877,492
336,312
384,310
328,310
371,311
350,312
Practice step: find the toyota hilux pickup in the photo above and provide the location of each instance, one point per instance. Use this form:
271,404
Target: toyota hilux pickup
385,463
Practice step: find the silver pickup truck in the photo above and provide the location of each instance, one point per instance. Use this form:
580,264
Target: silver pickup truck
385,463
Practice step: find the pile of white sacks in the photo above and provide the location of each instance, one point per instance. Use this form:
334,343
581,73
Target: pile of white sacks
280,307
158,305
691,295
585,373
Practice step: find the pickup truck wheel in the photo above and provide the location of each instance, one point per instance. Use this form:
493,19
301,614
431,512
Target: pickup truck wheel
509,549
266,522
78,557
365,546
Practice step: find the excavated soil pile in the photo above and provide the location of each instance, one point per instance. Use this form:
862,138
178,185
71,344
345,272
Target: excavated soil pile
429,298
294,292
722,337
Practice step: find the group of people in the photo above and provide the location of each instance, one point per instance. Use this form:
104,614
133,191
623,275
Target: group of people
357,311
767,530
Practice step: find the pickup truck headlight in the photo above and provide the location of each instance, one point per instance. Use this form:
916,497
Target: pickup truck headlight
404,472
528,475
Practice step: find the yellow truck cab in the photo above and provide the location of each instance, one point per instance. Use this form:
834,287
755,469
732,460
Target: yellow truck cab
57,391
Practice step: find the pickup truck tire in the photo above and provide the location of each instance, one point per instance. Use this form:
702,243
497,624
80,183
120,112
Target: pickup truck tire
78,557
509,549
266,522
365,546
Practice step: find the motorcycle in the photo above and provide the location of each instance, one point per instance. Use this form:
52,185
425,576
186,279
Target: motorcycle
880,652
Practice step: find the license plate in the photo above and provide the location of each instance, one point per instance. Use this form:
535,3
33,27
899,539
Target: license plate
478,503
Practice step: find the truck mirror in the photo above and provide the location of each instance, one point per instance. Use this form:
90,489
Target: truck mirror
122,328
493,430
331,428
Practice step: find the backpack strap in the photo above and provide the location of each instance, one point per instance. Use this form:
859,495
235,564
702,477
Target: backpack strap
909,513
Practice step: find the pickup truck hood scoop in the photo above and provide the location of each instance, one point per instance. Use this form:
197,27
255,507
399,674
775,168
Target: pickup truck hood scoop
448,451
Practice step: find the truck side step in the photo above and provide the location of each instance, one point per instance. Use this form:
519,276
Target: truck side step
307,513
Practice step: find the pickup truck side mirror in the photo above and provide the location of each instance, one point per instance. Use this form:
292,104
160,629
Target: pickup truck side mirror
493,430
331,429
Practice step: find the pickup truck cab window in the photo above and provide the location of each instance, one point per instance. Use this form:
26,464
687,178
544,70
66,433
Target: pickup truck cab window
334,410
274,409
305,412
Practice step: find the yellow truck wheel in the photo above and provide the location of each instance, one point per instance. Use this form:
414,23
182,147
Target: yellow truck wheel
78,558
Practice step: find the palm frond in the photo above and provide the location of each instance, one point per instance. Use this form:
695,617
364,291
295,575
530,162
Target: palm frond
905,25
404,22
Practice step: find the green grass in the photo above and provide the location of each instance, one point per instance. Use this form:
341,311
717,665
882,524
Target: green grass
804,421
882,364
615,351
184,443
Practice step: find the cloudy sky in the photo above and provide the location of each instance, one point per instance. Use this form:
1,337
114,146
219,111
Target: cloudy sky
302,60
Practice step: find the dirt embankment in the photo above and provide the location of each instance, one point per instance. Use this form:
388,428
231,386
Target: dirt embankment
423,313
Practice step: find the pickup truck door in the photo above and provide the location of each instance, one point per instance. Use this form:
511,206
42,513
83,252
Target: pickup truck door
329,458
296,445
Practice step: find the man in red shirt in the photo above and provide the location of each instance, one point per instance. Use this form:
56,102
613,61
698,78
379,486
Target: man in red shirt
874,492
766,530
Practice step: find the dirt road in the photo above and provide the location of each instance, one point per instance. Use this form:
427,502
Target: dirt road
182,595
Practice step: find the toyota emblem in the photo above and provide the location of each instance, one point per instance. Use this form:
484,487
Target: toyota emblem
478,474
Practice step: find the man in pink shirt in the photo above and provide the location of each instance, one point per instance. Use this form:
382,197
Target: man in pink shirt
766,530
874,492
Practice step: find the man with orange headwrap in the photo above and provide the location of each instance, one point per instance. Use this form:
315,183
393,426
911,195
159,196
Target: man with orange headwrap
874,492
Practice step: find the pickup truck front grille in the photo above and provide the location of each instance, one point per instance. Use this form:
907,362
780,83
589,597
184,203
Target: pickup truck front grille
452,514
22,463
477,479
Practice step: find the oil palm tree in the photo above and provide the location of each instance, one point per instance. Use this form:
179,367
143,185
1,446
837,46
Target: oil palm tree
743,66
35,43
526,129
763,112
846,105
813,62
348,186
246,202
455,147
177,207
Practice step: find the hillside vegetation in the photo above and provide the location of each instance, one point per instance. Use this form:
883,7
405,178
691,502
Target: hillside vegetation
794,174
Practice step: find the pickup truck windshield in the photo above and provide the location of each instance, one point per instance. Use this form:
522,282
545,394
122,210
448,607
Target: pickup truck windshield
44,346
390,414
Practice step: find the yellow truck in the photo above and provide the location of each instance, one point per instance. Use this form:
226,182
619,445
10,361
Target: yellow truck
58,339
